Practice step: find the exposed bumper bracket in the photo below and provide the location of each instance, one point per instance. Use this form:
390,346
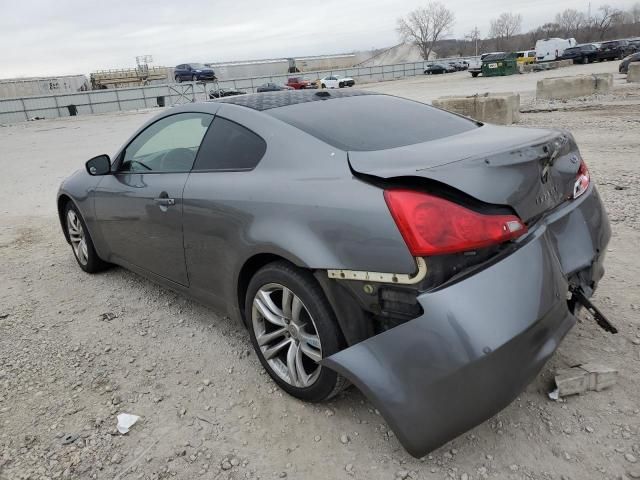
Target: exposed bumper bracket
579,297
399,278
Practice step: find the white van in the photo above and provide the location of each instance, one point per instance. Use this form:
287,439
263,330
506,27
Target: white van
552,48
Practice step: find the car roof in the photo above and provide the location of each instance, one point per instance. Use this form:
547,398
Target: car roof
284,98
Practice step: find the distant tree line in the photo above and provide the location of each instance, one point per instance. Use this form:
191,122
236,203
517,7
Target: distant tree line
429,26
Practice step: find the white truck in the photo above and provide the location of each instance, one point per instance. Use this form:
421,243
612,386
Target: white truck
475,64
551,49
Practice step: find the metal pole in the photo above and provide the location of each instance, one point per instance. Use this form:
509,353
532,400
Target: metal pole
55,99
24,107
144,97
118,100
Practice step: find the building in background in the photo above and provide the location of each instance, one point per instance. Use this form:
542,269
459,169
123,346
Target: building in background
26,87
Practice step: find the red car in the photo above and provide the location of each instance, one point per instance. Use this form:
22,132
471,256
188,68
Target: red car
298,83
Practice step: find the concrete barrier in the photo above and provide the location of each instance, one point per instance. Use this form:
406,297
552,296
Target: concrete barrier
571,87
498,108
604,82
539,67
633,75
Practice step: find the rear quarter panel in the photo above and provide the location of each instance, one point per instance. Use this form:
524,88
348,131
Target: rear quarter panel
301,203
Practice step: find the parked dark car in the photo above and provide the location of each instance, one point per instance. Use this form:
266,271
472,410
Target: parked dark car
225,92
437,68
614,50
272,87
586,53
624,64
432,261
193,72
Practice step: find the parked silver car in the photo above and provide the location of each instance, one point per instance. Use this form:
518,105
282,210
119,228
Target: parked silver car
361,238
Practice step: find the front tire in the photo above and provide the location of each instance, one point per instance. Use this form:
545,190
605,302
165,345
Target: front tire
80,240
194,78
292,327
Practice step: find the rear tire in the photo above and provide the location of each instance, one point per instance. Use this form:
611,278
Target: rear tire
80,240
474,74
178,79
276,330
323,86
194,78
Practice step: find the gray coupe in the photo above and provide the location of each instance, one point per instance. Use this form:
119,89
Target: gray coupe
430,260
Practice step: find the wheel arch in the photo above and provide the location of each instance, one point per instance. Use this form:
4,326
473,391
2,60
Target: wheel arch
249,269
62,202
352,321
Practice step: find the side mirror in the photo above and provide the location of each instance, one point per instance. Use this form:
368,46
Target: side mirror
100,165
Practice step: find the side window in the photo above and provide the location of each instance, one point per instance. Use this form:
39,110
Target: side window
229,146
168,145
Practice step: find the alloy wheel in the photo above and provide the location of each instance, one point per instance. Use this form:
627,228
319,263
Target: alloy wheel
286,335
77,237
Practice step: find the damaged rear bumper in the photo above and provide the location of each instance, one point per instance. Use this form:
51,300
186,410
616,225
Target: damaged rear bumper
482,339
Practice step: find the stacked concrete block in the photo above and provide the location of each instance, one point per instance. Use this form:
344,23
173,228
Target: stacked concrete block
571,87
498,108
633,75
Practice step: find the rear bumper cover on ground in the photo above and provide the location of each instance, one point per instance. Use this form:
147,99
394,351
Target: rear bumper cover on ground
482,339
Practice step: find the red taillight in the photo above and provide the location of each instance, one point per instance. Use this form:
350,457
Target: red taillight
582,180
434,226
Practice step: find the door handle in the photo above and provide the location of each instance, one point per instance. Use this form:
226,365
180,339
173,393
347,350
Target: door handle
164,201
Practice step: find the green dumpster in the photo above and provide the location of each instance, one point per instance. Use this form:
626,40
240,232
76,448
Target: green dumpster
500,64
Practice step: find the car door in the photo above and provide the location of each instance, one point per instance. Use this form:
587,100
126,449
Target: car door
139,206
215,198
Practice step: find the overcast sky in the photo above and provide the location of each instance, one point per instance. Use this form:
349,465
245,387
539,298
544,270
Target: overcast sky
42,37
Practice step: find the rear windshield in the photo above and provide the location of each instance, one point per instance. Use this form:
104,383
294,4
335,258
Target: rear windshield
372,122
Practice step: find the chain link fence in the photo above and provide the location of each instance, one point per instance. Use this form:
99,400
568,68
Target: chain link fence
14,110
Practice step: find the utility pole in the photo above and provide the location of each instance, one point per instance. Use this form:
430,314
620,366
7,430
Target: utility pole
474,36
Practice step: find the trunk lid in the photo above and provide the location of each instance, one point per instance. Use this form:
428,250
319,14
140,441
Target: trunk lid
530,170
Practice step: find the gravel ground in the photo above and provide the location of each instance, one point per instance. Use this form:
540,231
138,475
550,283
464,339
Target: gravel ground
77,349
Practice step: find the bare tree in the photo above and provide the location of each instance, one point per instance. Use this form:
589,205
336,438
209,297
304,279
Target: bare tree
571,21
504,27
634,12
425,25
603,22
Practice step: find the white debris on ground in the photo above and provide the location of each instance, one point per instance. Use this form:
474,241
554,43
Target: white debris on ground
76,350
126,421
581,379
